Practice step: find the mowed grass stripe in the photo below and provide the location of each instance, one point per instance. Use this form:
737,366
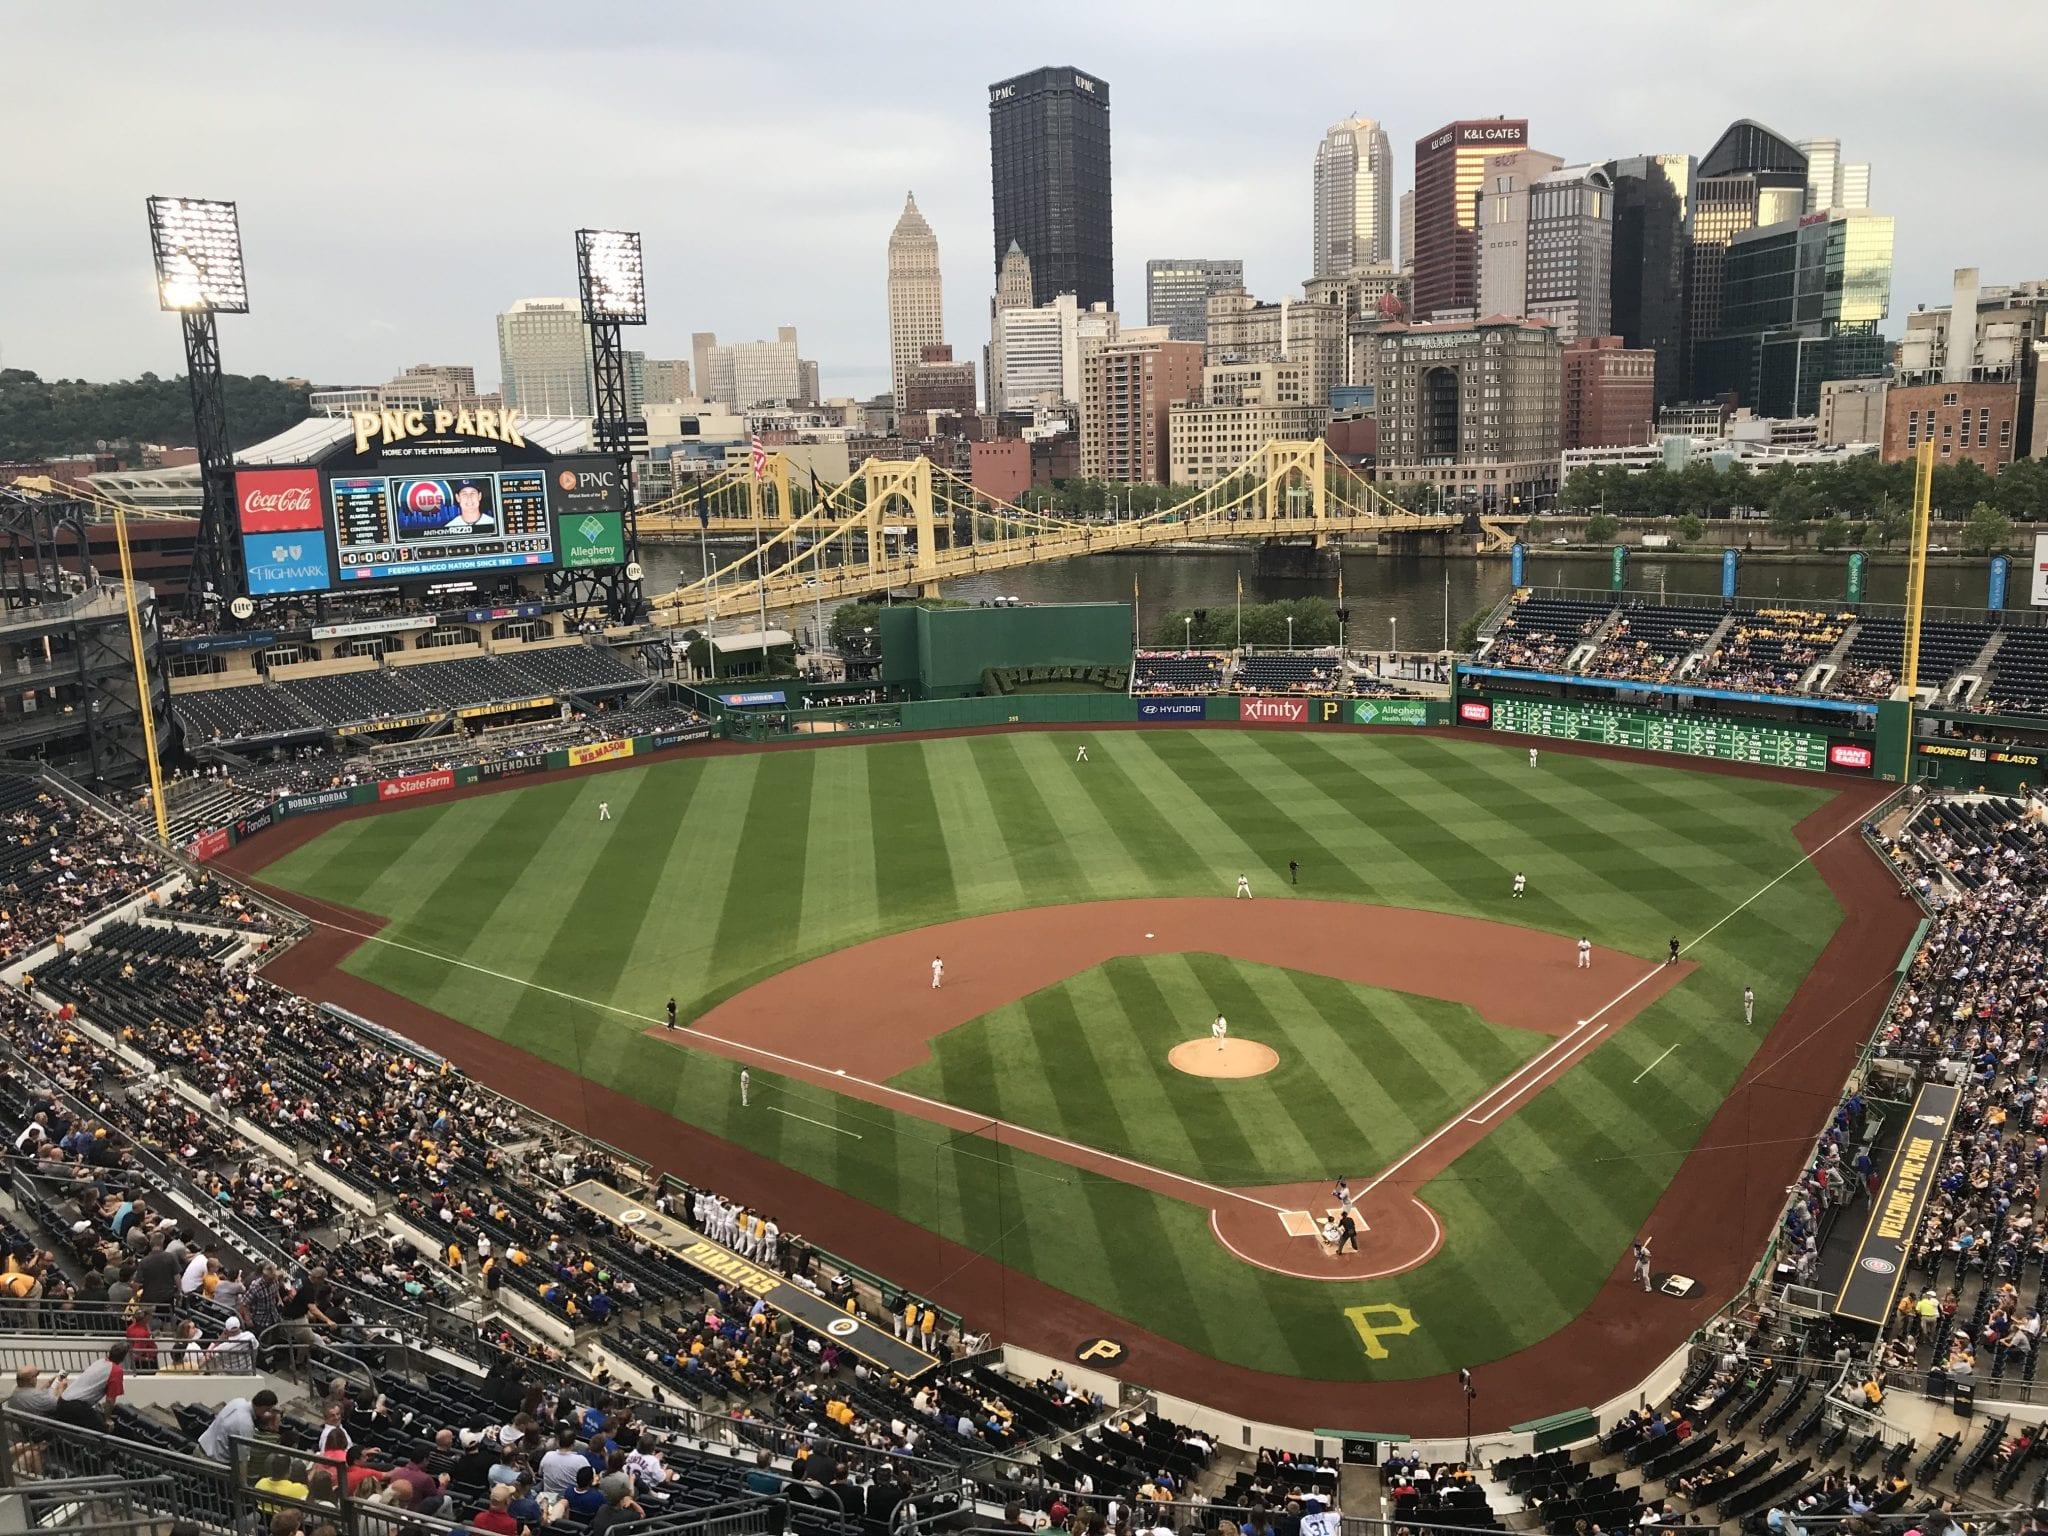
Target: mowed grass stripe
688,825
983,875
756,928
1040,848
913,863
839,852
1148,850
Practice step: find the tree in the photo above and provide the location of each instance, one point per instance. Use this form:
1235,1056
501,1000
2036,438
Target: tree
1792,508
1988,530
1581,490
1959,488
1690,528
1889,521
2022,493
849,620
1534,529
1601,529
40,418
1834,533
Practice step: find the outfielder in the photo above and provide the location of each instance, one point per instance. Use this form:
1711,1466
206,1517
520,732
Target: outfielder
604,810
746,1086
1081,753
1748,1005
1521,880
1585,954
1219,1029
1532,757
1244,887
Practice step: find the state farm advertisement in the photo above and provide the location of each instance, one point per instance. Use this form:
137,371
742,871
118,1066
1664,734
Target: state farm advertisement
278,500
416,784
1263,711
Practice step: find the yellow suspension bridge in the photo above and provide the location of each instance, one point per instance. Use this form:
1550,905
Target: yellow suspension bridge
897,524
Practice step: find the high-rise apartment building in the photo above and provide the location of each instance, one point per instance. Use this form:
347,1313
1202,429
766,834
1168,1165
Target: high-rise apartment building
1472,409
1407,258
1449,166
1751,178
1038,352
544,358
668,379
701,343
1127,390
1652,244
916,310
1242,330
1571,250
1243,407
747,373
1354,197
1178,289
1609,393
1830,182
1048,139
1013,291
1801,302
1503,228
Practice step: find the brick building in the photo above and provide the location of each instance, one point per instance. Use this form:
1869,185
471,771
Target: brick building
1127,389
1609,393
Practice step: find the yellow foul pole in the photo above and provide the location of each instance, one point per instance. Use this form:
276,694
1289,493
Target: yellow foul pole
1916,588
156,773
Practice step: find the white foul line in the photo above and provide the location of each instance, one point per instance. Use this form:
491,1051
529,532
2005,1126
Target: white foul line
807,1120
1653,1065
1494,1093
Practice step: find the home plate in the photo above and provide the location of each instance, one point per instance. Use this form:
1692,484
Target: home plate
1298,1223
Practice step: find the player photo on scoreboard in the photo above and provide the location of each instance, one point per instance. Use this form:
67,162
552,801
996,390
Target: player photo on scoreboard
441,507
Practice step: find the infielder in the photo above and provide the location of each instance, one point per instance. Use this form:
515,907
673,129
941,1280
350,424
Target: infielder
1219,1029
604,810
1081,753
1585,954
1748,1006
1521,881
938,972
1244,887
1642,1256
746,1086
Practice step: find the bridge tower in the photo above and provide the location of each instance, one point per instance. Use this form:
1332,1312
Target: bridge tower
907,485
1294,469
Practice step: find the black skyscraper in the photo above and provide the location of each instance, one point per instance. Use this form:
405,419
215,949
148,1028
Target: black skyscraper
1048,143
1652,249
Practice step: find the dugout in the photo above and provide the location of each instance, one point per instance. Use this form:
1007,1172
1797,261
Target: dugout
953,653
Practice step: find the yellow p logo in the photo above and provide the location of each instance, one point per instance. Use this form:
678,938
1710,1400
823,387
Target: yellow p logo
1108,1350
1399,1320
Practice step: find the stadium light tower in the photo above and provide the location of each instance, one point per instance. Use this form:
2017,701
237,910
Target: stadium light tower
197,243
613,282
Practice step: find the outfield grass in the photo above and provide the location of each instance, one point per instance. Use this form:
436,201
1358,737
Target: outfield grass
1364,1073
718,871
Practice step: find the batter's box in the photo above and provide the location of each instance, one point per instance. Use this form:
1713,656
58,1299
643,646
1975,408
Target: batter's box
1299,1224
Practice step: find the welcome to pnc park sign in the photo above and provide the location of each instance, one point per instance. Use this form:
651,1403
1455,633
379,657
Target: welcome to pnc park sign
388,427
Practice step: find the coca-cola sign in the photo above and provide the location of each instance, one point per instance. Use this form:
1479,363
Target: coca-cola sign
278,500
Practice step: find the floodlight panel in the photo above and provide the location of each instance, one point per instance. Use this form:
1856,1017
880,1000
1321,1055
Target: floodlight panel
614,280
198,248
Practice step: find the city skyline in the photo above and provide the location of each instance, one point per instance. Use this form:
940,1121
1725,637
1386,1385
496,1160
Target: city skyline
341,292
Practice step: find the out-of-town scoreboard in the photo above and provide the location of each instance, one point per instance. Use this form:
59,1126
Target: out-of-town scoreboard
1733,741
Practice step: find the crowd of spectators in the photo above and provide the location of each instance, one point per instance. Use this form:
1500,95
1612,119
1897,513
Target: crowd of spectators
1770,650
59,864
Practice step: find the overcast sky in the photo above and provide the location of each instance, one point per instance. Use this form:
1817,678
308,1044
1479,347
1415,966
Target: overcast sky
405,172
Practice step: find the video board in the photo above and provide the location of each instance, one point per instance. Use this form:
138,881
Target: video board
428,511
396,527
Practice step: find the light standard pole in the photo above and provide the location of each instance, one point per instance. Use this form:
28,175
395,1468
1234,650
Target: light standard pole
1393,637
1187,632
1290,632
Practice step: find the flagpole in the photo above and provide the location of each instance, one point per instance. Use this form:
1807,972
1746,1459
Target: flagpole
1240,611
1137,629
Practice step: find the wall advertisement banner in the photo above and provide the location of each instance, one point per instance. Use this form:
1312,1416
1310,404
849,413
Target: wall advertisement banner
511,767
416,784
600,751
672,739
1388,712
1261,709
1170,709
322,800
208,845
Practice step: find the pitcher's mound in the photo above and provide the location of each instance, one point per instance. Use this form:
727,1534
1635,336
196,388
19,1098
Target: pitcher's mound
1238,1058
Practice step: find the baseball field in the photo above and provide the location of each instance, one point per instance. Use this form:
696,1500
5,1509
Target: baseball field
1506,1118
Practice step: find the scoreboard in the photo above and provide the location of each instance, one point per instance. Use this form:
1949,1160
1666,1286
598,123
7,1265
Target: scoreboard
388,526
1732,741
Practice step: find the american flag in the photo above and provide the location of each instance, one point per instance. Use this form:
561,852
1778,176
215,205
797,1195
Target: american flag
759,456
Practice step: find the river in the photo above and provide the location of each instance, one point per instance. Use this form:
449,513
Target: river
1402,598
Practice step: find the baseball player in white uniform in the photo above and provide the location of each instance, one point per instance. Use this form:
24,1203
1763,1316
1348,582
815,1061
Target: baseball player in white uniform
938,972
1532,757
1244,887
746,1085
604,810
1081,753
1748,1005
1585,954
1219,1029
1521,880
